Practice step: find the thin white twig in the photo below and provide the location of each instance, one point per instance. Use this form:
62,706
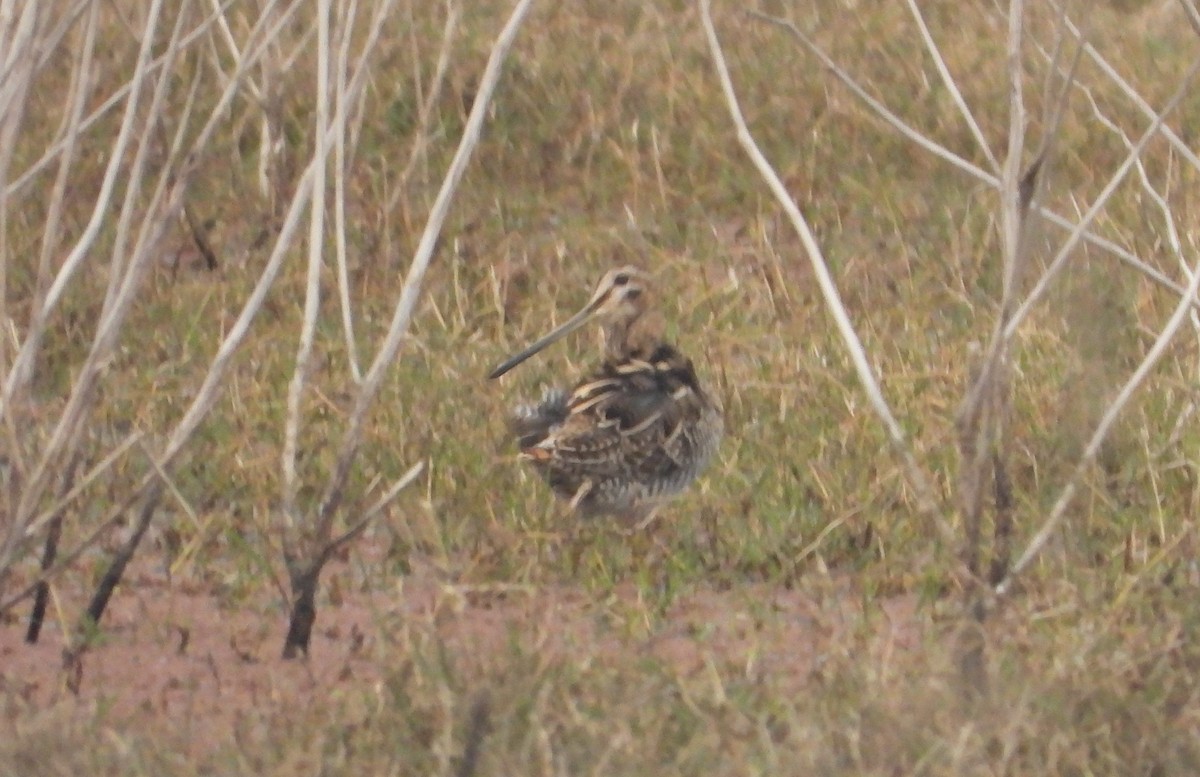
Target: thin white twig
231,44
952,85
51,153
79,253
18,38
213,380
829,291
411,290
125,274
93,474
91,232
50,40
956,161
119,298
312,285
1064,253
19,33
374,510
1192,14
1174,242
339,197
1107,68
52,232
1039,540
1011,212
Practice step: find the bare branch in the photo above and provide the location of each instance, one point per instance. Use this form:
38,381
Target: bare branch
410,292
165,204
1177,143
941,152
952,85
93,474
981,419
1177,319
1173,240
52,233
231,44
213,381
374,510
312,285
1077,233
339,198
866,376
115,513
48,156
1011,211
122,285
1193,16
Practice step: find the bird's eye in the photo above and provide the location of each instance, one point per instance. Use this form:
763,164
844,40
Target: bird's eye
621,279
633,294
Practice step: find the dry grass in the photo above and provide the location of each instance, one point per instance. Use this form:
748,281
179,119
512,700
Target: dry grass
610,139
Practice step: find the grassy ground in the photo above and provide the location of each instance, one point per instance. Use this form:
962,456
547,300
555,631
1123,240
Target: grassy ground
609,142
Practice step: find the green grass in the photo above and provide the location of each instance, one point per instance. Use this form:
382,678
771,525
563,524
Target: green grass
609,114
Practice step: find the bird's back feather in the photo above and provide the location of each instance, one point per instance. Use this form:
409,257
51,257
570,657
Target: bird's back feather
638,429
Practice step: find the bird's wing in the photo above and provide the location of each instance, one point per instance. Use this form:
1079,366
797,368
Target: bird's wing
626,421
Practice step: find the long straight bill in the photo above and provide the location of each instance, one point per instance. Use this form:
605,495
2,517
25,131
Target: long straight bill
566,328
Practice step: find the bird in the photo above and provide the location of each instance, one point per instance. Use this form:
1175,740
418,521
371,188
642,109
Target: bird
635,431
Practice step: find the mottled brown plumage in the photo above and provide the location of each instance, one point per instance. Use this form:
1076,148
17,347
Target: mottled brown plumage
636,431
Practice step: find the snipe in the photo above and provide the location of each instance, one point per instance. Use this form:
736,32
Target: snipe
636,431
